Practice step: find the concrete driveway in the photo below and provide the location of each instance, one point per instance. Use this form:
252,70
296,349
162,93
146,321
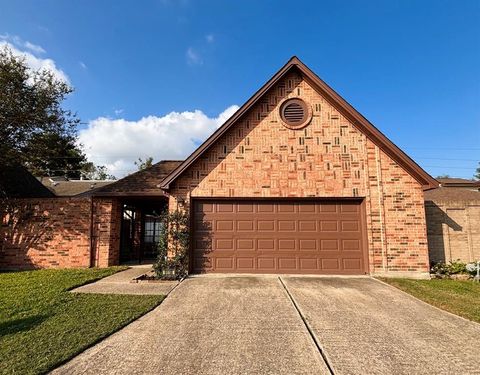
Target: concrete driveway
287,325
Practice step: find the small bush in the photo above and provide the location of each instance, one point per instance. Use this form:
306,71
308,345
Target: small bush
472,268
447,269
173,245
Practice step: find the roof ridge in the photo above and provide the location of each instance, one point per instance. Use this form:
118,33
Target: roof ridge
356,118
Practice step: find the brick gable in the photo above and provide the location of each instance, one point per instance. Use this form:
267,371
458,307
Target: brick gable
259,157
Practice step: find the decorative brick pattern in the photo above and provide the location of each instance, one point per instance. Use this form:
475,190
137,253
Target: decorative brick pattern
259,157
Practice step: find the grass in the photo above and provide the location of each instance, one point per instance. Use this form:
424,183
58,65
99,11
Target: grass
458,297
43,325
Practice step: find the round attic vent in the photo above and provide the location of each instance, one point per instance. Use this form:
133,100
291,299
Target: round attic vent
295,113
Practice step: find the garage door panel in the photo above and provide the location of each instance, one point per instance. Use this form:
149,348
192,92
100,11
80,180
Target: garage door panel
245,208
329,226
330,264
351,264
291,236
265,225
266,264
287,226
307,225
328,245
286,244
224,263
245,225
245,244
266,207
287,264
265,244
225,207
351,245
246,263
306,244
224,244
308,264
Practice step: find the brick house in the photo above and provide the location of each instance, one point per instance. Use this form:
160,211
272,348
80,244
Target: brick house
296,181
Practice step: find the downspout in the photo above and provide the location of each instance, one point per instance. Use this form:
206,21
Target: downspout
380,208
91,262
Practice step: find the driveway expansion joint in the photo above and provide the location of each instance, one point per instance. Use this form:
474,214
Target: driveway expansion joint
321,351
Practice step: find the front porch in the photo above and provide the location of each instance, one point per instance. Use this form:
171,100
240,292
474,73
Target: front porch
140,228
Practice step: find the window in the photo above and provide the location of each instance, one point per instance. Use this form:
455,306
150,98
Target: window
152,229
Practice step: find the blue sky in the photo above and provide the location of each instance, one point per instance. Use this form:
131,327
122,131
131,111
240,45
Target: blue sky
411,67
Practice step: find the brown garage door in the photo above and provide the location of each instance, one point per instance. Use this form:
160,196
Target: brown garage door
285,236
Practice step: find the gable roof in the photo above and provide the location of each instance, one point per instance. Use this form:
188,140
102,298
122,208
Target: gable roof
443,194
142,183
360,122
69,188
458,182
18,182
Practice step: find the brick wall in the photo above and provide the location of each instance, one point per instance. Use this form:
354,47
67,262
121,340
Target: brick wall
55,233
107,224
259,157
453,228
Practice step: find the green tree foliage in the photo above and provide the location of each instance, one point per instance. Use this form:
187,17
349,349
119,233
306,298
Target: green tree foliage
173,245
53,154
91,171
33,124
143,164
477,173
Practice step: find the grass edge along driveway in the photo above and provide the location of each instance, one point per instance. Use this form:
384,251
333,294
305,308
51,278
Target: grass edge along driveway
461,298
42,325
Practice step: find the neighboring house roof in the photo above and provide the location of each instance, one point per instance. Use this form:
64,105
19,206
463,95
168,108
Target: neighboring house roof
67,188
18,182
459,182
451,194
145,182
360,122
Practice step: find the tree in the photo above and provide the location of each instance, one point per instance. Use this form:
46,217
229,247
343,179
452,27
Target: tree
96,172
141,165
443,176
34,127
54,154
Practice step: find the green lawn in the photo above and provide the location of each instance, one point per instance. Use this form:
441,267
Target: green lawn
43,325
458,297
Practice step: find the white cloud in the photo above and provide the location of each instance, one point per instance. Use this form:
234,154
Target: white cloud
117,143
193,57
33,47
28,50
118,111
210,38
83,65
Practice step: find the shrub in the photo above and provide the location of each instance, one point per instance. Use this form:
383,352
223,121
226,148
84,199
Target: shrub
173,245
447,269
472,268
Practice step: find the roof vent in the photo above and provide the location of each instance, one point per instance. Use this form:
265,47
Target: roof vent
295,113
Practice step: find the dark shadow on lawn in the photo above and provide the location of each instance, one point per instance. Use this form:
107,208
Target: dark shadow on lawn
21,324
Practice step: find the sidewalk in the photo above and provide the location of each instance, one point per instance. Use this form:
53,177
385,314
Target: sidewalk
123,283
